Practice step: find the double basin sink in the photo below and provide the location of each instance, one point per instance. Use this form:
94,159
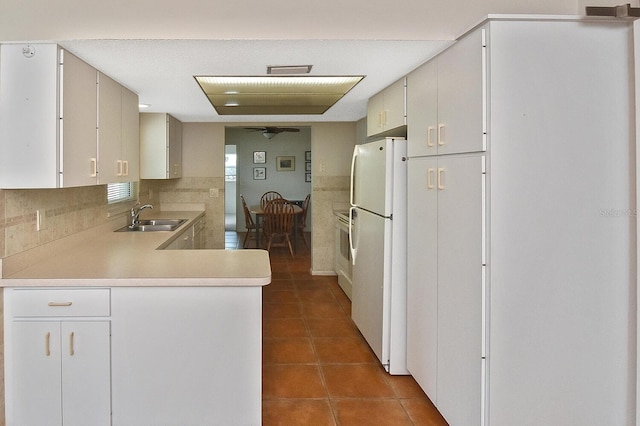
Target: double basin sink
153,225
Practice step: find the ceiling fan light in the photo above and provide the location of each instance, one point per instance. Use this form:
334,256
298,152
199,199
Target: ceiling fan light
269,135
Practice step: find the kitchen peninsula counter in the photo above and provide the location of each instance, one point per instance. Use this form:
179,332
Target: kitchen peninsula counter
102,257
107,328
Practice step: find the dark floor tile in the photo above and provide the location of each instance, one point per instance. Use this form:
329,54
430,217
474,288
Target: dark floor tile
356,381
285,327
343,350
372,412
422,412
292,381
289,350
297,412
332,327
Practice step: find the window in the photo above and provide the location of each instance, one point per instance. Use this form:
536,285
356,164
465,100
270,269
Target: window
230,167
118,192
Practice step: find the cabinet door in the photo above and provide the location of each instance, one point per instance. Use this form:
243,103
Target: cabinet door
460,183
375,106
422,110
174,162
29,117
460,96
394,105
86,372
34,381
79,120
130,136
109,129
422,273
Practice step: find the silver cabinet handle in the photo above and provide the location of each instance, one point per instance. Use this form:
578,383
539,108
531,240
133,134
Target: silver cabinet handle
71,351
47,346
60,303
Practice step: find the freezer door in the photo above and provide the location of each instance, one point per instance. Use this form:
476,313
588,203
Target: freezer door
372,176
370,272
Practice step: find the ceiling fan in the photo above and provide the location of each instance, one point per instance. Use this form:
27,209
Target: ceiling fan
270,132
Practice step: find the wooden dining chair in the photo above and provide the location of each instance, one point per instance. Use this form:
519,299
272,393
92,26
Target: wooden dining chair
268,196
252,227
302,219
278,224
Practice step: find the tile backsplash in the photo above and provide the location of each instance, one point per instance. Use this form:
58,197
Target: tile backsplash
64,212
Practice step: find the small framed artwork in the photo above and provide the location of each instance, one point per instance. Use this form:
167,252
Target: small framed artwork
307,166
286,164
307,177
307,156
259,173
259,157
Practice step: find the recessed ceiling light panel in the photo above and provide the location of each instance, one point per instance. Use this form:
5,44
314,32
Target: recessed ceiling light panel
275,95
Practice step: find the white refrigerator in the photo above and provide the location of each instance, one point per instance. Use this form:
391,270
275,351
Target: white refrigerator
377,237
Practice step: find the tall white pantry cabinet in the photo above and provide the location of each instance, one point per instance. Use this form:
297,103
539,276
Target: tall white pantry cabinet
522,248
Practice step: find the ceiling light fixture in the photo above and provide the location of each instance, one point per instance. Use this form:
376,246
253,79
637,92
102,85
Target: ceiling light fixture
275,95
143,106
289,69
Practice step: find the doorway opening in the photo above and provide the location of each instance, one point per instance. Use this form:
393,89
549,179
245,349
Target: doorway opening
230,187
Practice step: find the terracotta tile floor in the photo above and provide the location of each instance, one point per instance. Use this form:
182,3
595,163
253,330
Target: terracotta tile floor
317,368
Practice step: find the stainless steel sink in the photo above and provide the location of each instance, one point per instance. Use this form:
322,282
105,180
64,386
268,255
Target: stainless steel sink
153,225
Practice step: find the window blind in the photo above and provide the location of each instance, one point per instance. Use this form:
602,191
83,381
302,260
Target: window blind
118,192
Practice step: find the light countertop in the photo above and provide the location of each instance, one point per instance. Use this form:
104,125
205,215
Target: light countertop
108,258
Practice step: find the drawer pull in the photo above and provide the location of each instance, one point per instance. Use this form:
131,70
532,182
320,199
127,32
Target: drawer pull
47,347
60,303
71,351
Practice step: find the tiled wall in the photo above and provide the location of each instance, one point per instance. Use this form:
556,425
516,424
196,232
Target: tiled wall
329,193
62,212
188,191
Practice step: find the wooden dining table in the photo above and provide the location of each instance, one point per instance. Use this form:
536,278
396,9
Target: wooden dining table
259,212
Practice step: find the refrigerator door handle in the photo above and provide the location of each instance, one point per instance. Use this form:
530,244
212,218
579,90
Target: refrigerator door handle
352,247
353,167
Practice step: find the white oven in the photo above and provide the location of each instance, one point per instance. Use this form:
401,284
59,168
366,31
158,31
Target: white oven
343,252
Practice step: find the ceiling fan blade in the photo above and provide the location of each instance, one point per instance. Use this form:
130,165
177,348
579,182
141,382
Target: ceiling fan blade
255,129
289,129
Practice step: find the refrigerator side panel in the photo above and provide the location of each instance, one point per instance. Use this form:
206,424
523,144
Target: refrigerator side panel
398,278
369,274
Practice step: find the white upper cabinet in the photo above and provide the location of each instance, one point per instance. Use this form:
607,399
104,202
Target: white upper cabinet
387,109
160,146
50,112
446,102
118,132
47,118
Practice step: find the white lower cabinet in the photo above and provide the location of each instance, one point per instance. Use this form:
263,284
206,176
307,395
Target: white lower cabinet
445,254
187,355
58,369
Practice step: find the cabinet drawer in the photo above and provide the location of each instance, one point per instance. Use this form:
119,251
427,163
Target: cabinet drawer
60,302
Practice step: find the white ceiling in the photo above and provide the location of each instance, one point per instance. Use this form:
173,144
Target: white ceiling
161,71
154,47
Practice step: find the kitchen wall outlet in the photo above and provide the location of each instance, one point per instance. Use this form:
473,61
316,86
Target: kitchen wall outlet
213,192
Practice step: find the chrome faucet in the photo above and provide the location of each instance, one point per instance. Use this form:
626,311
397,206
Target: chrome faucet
135,213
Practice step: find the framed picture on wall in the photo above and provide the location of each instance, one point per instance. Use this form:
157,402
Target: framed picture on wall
307,166
286,163
259,157
259,173
307,177
307,156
